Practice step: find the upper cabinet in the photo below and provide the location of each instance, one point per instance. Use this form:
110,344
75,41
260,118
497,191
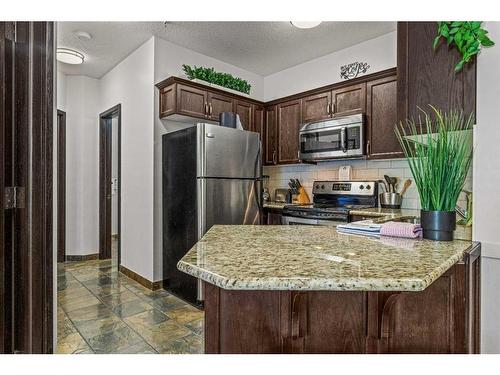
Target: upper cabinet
428,77
217,104
289,120
245,110
340,102
381,117
271,136
190,102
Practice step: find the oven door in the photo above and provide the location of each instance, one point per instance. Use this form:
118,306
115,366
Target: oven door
290,220
332,142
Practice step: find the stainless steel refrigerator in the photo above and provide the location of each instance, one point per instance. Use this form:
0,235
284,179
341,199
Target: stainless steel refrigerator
211,175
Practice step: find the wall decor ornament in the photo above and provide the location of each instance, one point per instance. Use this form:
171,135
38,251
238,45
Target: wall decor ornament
352,70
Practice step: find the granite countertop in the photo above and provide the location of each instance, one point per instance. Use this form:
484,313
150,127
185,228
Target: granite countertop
275,205
281,257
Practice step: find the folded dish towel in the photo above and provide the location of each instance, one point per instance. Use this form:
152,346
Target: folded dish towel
404,230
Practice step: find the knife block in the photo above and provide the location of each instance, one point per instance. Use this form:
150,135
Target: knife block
302,197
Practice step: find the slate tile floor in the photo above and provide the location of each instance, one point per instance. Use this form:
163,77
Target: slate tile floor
102,311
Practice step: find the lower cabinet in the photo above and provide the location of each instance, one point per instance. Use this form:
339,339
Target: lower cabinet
444,318
272,217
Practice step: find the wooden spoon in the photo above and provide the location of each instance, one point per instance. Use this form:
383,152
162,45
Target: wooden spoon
405,187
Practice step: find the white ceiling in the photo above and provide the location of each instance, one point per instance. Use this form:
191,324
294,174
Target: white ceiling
260,47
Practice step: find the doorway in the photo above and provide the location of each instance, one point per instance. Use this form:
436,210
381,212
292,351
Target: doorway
61,186
110,184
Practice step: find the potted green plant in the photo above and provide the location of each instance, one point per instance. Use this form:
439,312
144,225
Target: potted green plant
439,153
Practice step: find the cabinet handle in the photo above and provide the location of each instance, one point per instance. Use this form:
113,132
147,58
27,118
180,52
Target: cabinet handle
210,109
328,109
274,157
368,147
333,108
206,108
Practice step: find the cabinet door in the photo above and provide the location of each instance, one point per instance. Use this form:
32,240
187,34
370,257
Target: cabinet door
167,101
381,118
428,77
244,110
218,103
316,107
258,121
348,100
191,101
271,136
289,119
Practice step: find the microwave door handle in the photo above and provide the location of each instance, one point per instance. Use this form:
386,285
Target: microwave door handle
343,141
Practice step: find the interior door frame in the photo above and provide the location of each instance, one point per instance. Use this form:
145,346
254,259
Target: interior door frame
61,186
105,168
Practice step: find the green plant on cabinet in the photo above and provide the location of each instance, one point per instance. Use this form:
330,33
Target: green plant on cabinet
467,36
218,78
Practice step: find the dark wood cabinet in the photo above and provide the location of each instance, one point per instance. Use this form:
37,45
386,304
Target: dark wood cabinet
272,216
245,111
348,100
259,121
427,77
381,118
289,120
271,136
167,101
316,107
443,318
191,101
218,103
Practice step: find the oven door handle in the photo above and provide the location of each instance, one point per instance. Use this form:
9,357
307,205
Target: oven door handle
292,219
343,140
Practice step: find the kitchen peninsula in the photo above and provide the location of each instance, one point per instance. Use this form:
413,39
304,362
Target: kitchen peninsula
303,289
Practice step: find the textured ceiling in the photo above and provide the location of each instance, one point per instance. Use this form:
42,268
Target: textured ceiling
260,47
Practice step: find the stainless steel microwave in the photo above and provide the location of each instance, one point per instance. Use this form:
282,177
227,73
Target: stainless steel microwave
341,137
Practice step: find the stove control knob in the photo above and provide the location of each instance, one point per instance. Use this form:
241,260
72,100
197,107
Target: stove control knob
361,187
368,187
317,186
322,187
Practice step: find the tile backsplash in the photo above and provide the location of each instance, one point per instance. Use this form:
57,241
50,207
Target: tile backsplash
360,170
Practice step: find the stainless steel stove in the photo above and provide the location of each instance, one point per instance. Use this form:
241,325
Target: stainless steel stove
332,202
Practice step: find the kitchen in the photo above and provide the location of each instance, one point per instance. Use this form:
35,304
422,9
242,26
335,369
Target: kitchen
271,201
340,140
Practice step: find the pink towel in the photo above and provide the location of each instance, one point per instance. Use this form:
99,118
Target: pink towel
397,229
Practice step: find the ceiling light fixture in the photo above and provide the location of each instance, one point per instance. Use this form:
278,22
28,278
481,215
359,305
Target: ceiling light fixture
83,36
69,56
305,24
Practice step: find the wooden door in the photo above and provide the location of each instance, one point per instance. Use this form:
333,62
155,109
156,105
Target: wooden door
167,101
381,118
61,186
258,121
289,119
105,176
191,101
26,148
244,110
349,100
428,77
271,136
316,107
218,103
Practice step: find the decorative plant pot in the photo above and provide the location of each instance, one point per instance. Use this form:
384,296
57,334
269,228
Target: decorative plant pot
438,225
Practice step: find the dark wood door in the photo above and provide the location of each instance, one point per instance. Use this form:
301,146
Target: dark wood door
381,118
348,100
26,148
271,136
61,186
105,176
191,101
316,107
289,119
218,103
244,110
427,77
167,101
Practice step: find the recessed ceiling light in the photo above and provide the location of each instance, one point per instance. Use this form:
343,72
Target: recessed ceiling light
82,35
69,56
305,24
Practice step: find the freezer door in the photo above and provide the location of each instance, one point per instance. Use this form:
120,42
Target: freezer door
228,153
227,201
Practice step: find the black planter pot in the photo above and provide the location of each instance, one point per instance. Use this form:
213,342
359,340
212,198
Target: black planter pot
438,225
